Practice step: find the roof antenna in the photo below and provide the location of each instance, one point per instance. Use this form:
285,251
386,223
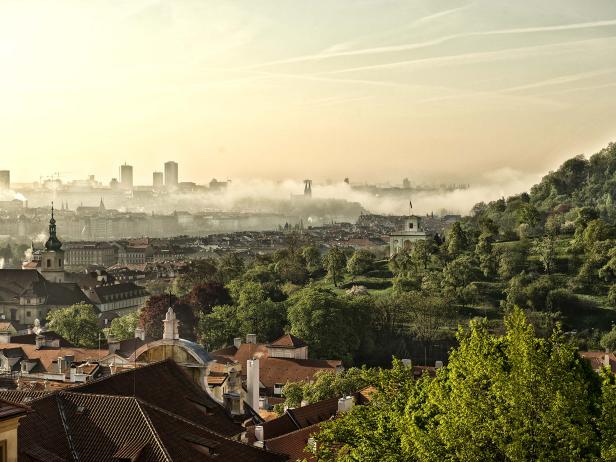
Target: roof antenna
134,365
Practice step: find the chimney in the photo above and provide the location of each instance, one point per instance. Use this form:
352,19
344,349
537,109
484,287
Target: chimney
438,364
251,338
170,326
606,359
237,342
140,333
252,383
68,365
259,432
345,404
113,344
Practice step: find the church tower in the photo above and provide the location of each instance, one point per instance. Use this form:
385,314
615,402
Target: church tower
52,260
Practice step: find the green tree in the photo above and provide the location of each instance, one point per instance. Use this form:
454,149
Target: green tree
360,262
545,250
197,272
608,340
312,257
333,326
334,262
372,433
326,384
457,275
528,214
512,397
256,313
511,260
483,251
230,266
218,328
123,328
77,323
421,251
607,420
611,295
457,240
292,270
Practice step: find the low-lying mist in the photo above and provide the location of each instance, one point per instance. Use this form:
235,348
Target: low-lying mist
270,196
330,200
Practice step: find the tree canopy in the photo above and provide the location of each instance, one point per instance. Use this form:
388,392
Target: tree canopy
77,323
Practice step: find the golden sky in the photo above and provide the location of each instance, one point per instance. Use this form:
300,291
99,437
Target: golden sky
369,89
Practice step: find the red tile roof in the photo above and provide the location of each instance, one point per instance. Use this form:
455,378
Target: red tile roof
9,410
599,359
294,444
288,341
81,425
277,370
166,385
48,355
301,417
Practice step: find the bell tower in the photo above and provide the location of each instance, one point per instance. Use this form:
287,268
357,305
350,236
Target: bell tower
52,260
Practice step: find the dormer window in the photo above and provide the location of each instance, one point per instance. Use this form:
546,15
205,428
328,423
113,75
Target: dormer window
411,225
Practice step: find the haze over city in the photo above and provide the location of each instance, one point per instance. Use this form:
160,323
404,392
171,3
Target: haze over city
307,230
374,91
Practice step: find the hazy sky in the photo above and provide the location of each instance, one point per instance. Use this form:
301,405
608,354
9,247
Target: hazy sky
295,89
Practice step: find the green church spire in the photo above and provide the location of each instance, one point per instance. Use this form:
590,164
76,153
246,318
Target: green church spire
53,243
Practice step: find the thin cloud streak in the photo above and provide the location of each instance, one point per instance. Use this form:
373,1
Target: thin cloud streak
434,42
466,57
559,80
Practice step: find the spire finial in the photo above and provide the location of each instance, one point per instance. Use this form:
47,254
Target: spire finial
51,209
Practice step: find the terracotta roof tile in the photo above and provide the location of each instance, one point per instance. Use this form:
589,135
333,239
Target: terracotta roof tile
277,370
81,425
288,341
294,444
152,384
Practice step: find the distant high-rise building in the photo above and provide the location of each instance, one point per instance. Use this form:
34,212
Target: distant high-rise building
126,176
308,188
157,180
171,174
5,179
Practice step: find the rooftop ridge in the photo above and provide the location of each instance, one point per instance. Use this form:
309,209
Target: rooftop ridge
152,428
126,371
303,429
65,427
197,425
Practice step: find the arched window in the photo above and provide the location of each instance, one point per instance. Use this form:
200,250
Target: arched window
49,263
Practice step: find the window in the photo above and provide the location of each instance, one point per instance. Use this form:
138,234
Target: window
410,225
48,263
278,388
28,314
3,454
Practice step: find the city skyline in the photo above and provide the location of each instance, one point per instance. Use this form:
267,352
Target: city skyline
427,89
